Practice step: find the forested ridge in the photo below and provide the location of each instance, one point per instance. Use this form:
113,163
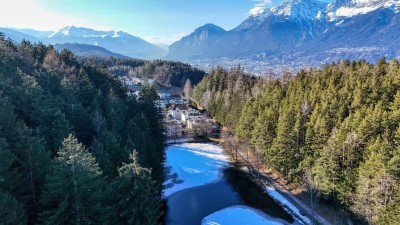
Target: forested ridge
167,73
340,124
74,148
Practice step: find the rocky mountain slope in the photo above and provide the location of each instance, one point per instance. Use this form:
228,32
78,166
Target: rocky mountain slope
302,32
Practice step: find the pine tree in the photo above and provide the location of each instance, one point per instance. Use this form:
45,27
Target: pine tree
30,159
11,211
136,196
326,169
284,154
8,176
375,186
391,213
74,188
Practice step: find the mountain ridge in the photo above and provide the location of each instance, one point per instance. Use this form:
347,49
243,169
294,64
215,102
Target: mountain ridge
88,50
118,42
295,32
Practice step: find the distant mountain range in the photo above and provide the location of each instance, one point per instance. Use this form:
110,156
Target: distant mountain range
18,36
301,32
82,39
88,50
293,34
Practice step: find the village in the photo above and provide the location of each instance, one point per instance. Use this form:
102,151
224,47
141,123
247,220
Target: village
182,120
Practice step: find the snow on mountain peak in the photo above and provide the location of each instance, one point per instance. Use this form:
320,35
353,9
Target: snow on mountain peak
72,31
116,34
65,32
302,12
350,8
257,11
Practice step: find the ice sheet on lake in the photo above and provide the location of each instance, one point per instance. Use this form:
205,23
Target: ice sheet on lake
240,215
192,165
288,206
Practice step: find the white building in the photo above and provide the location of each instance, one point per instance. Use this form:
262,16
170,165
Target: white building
190,113
173,128
164,95
177,111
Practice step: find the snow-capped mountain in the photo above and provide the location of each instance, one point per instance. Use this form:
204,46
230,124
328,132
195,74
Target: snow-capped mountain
350,8
71,31
303,12
115,41
305,32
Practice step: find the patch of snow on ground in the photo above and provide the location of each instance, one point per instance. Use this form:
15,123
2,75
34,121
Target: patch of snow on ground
288,206
240,215
192,165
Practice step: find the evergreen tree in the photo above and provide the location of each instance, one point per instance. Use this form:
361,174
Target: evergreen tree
326,169
74,188
44,97
8,176
375,186
134,187
391,213
11,211
342,121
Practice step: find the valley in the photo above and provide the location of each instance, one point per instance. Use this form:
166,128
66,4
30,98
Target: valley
248,112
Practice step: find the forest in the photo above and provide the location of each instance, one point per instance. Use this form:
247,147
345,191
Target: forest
339,123
166,73
74,148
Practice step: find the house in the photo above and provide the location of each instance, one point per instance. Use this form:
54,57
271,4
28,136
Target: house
164,95
162,104
128,82
173,128
190,113
177,111
136,81
199,125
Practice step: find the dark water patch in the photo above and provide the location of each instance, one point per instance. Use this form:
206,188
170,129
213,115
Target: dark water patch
190,206
253,195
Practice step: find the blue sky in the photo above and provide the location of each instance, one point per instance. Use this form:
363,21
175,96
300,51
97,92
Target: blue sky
159,21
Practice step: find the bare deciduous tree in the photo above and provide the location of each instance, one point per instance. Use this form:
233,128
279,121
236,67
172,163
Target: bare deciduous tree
187,89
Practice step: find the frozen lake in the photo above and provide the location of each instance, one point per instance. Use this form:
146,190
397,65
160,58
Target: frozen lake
202,187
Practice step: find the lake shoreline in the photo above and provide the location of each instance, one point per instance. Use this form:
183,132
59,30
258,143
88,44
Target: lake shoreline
228,185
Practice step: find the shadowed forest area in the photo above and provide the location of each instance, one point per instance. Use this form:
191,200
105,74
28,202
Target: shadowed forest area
74,148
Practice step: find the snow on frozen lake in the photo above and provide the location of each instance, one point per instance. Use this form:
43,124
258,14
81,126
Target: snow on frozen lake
240,215
192,165
288,206
196,164
181,140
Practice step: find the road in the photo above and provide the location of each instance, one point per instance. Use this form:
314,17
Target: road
314,216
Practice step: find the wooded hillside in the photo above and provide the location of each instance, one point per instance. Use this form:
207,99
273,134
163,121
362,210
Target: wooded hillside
74,148
339,123
164,72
